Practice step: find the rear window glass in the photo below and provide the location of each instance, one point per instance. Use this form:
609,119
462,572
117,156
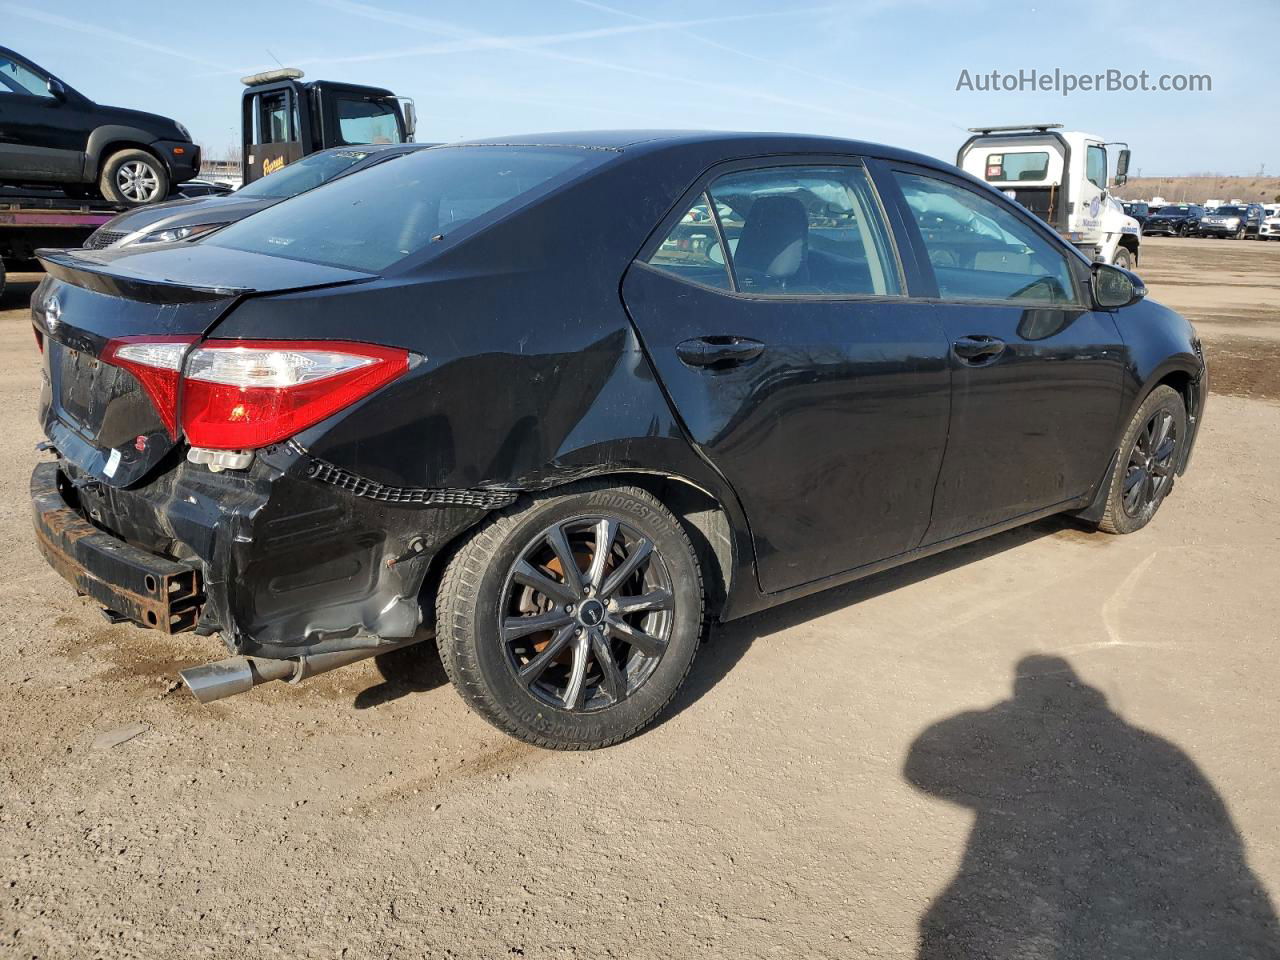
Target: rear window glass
1012,167
390,211
304,174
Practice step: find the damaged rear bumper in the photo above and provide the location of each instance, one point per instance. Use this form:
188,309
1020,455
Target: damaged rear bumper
149,590
284,559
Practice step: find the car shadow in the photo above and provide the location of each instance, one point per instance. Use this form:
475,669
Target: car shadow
726,644
415,669
1092,838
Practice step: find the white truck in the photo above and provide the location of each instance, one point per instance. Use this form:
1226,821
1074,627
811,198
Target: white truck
1061,177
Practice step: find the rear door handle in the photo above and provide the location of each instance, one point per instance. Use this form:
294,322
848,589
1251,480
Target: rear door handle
718,352
978,348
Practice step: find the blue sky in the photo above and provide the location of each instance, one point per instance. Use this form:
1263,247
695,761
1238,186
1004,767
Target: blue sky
883,70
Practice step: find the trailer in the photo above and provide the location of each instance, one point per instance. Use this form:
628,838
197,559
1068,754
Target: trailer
32,218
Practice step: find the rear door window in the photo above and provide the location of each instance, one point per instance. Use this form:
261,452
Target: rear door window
980,250
692,251
805,231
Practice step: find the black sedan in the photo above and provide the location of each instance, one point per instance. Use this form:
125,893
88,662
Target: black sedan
199,214
1174,220
558,400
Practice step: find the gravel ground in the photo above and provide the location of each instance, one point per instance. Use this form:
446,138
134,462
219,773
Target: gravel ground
1049,744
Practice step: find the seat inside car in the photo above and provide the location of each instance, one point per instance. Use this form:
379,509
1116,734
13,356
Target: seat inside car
774,246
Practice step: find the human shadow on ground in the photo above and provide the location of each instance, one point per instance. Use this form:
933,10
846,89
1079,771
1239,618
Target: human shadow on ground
727,643
1093,839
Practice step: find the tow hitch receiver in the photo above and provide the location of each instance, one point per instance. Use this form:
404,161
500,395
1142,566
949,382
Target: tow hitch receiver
151,591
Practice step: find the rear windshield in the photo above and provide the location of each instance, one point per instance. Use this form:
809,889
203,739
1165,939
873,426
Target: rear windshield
1003,167
302,175
392,210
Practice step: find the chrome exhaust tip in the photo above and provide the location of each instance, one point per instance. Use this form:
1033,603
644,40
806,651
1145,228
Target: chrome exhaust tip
223,678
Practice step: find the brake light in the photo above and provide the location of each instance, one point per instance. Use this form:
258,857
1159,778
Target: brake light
246,394
156,362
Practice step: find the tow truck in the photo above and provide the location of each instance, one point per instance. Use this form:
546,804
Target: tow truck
282,120
1061,177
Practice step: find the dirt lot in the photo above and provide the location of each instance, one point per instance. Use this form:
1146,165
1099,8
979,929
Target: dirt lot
1049,744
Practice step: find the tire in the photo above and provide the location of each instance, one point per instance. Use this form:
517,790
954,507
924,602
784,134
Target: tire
567,699
2,280
1142,476
133,178
1122,259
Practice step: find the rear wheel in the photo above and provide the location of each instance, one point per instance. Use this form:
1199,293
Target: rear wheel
571,622
133,178
1147,460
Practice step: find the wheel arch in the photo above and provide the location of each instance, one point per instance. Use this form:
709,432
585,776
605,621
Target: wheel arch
104,141
704,518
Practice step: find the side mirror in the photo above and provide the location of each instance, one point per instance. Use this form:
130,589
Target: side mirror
1114,288
410,119
1122,167
56,89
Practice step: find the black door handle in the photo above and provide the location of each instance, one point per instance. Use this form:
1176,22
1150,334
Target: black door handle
978,348
718,352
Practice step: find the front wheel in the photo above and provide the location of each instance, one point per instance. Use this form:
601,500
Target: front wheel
133,178
570,622
1122,259
1146,462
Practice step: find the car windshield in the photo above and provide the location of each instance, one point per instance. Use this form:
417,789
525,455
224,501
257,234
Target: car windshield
1230,211
1172,211
393,210
304,174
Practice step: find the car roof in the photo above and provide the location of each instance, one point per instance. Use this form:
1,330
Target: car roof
730,143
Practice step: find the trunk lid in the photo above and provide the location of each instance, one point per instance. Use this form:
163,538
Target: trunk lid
99,415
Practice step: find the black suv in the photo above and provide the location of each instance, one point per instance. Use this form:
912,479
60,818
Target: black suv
50,134
1174,219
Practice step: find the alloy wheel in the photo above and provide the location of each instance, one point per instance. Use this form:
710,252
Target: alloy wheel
138,181
587,612
1151,463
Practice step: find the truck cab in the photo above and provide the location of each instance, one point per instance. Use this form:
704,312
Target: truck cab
284,119
1061,177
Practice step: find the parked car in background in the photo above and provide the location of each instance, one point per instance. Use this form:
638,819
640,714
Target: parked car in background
1237,222
203,188
476,389
1174,220
187,219
1270,226
52,135
1139,211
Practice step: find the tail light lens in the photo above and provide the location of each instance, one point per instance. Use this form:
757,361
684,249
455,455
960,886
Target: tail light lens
156,362
241,395
245,394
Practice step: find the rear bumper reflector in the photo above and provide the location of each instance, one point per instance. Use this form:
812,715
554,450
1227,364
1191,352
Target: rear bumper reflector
151,591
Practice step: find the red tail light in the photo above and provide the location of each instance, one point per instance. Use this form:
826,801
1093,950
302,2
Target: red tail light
240,395
246,394
157,364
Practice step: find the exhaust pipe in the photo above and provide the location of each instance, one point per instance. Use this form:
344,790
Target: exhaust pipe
225,678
